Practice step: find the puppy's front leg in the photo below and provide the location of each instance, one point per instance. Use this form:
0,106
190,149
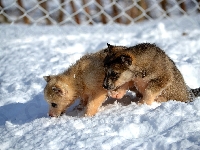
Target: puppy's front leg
148,97
154,89
94,103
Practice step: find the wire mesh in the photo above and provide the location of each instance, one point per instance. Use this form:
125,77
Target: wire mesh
90,12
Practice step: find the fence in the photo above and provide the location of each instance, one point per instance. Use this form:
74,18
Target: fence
74,12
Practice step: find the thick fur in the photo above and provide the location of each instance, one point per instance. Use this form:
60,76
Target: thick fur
146,67
82,80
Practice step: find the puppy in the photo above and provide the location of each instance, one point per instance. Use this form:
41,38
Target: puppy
147,68
82,80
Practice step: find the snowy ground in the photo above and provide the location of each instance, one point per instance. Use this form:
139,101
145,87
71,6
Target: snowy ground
29,53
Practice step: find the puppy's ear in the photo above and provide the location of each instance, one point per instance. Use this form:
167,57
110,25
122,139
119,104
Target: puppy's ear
127,60
110,46
47,78
109,49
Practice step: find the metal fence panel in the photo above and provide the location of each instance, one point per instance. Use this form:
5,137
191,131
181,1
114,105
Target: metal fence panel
90,12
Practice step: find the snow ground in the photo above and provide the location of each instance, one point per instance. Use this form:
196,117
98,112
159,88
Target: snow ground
27,53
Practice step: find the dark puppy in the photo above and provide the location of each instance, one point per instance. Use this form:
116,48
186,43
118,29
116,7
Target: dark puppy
149,69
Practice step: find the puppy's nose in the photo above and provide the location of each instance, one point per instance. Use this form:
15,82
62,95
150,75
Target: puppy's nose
105,85
51,115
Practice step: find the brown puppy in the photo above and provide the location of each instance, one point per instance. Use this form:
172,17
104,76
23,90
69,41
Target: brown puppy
82,80
149,69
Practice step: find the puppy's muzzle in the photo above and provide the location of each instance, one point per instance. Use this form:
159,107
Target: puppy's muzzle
107,85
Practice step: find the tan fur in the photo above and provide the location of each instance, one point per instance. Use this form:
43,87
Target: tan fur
119,93
82,80
149,69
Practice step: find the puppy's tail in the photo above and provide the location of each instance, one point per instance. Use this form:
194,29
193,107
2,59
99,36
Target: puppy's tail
193,93
196,92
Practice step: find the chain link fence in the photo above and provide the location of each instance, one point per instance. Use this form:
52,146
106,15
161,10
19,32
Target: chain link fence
90,12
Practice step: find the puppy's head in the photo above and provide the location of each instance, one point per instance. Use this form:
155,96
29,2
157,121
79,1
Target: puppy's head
116,64
58,95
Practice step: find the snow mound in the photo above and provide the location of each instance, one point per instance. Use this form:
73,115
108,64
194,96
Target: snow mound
30,52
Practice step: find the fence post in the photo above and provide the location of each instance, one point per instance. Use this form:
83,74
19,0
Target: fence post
164,6
103,18
133,12
5,19
44,6
183,7
87,10
74,10
61,13
115,12
199,6
26,20
143,4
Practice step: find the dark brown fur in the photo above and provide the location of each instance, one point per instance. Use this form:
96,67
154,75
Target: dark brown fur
149,69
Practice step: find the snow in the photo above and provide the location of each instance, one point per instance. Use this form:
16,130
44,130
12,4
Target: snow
27,53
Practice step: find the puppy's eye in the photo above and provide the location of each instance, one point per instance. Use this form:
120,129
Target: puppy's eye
57,90
54,105
113,73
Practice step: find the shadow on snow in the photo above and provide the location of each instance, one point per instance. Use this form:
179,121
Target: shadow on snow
20,113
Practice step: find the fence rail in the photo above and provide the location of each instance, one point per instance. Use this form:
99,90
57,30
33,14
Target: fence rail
62,12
